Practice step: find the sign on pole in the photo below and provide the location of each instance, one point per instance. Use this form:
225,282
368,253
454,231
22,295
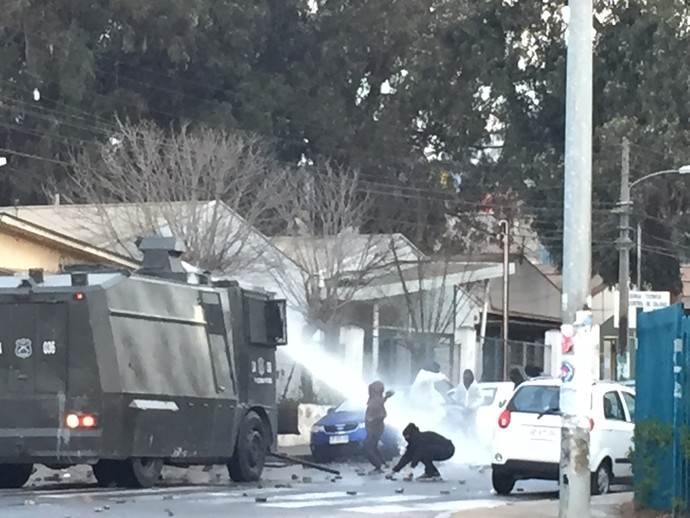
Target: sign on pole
647,300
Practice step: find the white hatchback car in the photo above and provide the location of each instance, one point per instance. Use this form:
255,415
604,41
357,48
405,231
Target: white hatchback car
527,441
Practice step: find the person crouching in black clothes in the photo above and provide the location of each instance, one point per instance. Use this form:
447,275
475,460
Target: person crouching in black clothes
424,447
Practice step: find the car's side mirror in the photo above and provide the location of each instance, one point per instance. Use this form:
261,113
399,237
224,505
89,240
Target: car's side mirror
330,410
502,404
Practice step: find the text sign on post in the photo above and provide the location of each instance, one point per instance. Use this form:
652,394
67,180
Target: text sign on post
647,300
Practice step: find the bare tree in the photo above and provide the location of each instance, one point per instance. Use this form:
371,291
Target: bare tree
324,210
207,186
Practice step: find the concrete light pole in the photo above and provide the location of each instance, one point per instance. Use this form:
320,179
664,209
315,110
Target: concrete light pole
574,498
625,243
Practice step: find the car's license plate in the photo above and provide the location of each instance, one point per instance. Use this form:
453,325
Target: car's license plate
543,434
338,439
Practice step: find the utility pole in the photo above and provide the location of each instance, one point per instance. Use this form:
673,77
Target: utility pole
624,245
639,256
505,224
575,401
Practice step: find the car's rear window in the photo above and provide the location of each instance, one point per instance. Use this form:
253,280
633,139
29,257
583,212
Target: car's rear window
535,399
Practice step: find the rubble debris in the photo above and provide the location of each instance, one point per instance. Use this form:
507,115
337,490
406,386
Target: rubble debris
29,502
98,510
121,501
294,476
462,482
106,507
261,499
307,480
170,513
352,493
168,497
399,491
445,492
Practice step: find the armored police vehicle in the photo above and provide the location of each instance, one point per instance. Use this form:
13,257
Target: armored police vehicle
128,371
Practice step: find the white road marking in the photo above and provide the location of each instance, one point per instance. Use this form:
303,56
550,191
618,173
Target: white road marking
344,501
448,506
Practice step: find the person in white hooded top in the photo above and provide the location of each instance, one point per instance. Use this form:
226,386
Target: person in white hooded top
469,398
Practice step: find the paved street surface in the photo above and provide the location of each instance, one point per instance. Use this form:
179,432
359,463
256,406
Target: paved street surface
286,491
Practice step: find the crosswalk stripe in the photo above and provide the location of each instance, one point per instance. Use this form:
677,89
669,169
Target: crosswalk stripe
452,505
344,501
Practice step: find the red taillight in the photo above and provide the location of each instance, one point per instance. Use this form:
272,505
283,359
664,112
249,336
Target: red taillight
79,295
504,419
80,421
591,424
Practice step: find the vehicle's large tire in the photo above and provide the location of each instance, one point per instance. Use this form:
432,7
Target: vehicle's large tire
108,473
14,476
140,472
249,457
503,483
602,479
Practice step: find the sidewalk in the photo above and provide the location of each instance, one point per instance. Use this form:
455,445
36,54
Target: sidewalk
602,506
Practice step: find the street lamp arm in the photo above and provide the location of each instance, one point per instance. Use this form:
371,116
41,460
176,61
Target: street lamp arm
652,175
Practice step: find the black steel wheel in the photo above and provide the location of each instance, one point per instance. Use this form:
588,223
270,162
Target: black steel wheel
14,476
601,479
140,472
249,457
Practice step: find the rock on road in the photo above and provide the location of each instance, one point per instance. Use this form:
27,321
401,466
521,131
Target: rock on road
290,491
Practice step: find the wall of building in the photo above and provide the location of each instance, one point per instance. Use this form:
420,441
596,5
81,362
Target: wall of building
18,254
530,293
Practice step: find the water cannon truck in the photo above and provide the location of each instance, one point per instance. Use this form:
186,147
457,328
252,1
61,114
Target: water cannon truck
128,371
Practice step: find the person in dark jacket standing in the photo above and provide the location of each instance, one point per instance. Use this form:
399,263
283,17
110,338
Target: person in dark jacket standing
374,423
424,447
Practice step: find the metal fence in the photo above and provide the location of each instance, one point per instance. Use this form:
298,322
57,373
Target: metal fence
662,415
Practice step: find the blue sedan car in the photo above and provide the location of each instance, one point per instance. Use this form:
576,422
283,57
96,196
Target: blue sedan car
341,432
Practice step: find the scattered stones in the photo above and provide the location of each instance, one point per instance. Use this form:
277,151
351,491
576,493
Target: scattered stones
121,501
338,477
98,510
462,482
280,486
294,477
259,486
360,473
168,497
245,494
408,478
38,479
66,475
352,493
170,513
520,490
399,491
29,502
106,507
306,480
261,499
390,476
445,492
288,486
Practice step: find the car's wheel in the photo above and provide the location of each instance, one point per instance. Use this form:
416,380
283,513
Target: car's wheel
503,483
247,462
321,454
601,478
139,472
14,476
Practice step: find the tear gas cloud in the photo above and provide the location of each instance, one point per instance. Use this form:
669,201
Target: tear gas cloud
421,404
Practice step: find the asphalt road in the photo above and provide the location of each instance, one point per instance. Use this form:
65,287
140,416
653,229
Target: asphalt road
288,492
